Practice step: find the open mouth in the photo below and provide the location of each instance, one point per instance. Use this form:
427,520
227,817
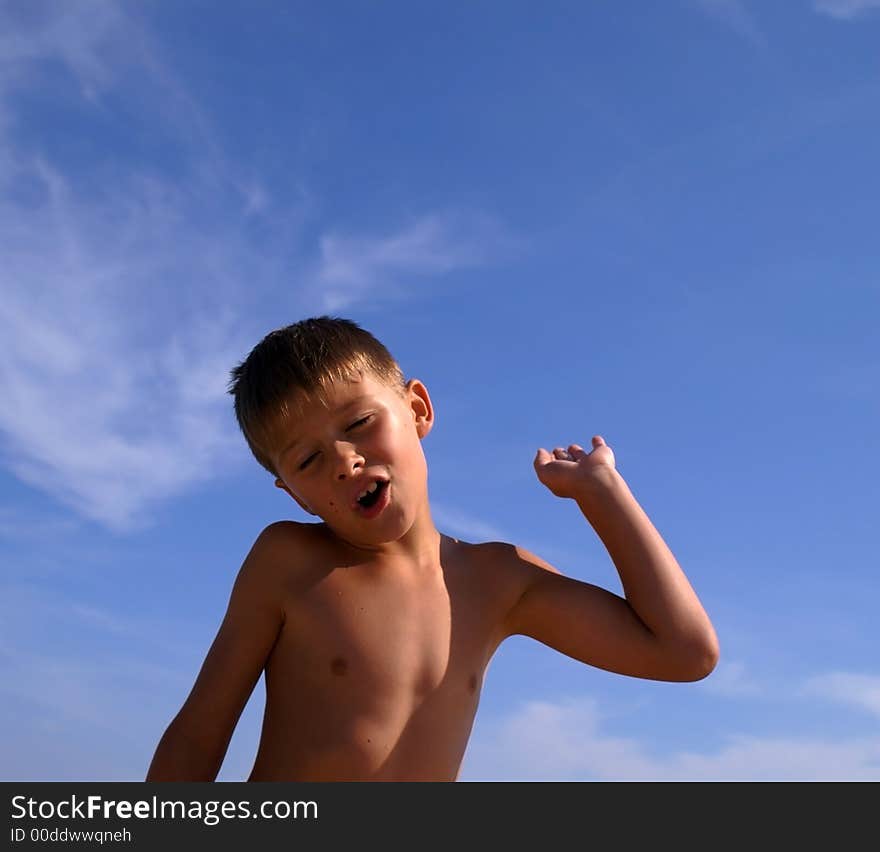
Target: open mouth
373,500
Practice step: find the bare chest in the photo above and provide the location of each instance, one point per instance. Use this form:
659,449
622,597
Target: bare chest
380,640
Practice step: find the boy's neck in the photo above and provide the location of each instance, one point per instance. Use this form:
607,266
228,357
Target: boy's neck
419,546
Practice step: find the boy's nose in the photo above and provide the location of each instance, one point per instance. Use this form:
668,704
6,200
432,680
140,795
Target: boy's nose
348,460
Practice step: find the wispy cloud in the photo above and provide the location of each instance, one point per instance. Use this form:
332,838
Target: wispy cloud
100,677
98,414
542,740
735,15
18,526
95,706
24,607
83,690
731,679
82,43
115,362
352,267
129,286
845,10
565,741
471,528
79,716
467,526
855,690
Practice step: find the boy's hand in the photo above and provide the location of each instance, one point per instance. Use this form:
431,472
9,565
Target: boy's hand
574,472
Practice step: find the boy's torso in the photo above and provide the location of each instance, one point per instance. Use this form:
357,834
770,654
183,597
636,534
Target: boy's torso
376,673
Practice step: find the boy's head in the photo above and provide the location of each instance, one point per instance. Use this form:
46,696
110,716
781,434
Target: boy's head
295,365
295,393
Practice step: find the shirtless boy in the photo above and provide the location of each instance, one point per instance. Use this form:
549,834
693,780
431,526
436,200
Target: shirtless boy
373,628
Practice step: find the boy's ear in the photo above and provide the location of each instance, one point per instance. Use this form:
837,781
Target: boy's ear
420,404
302,505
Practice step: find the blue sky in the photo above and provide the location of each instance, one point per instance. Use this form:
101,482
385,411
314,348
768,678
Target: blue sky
646,221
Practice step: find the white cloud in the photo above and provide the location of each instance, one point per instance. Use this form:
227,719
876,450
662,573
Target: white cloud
546,741
735,15
105,693
121,290
25,608
17,525
114,382
845,10
352,267
79,38
128,291
856,690
731,679
564,741
467,526
454,521
749,758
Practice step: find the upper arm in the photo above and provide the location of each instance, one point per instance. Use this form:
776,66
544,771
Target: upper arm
238,654
583,621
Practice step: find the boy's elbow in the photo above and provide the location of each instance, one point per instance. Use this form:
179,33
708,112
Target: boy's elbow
179,757
685,662
702,660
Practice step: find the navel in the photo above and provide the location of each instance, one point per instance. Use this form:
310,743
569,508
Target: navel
339,666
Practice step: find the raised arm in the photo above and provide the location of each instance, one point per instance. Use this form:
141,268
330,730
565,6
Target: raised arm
195,743
659,630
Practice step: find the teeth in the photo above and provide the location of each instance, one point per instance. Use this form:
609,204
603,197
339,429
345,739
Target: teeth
369,490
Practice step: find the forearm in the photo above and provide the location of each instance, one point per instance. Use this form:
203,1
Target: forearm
178,757
654,585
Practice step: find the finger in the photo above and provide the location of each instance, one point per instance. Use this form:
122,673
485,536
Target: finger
577,451
561,454
542,457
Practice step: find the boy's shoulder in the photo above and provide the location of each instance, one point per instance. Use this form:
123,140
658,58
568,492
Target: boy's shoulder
292,547
292,538
508,569
280,533
507,557
280,546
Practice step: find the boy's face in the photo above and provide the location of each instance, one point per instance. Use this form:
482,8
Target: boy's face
368,437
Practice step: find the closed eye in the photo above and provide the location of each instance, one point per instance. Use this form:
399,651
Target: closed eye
358,423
